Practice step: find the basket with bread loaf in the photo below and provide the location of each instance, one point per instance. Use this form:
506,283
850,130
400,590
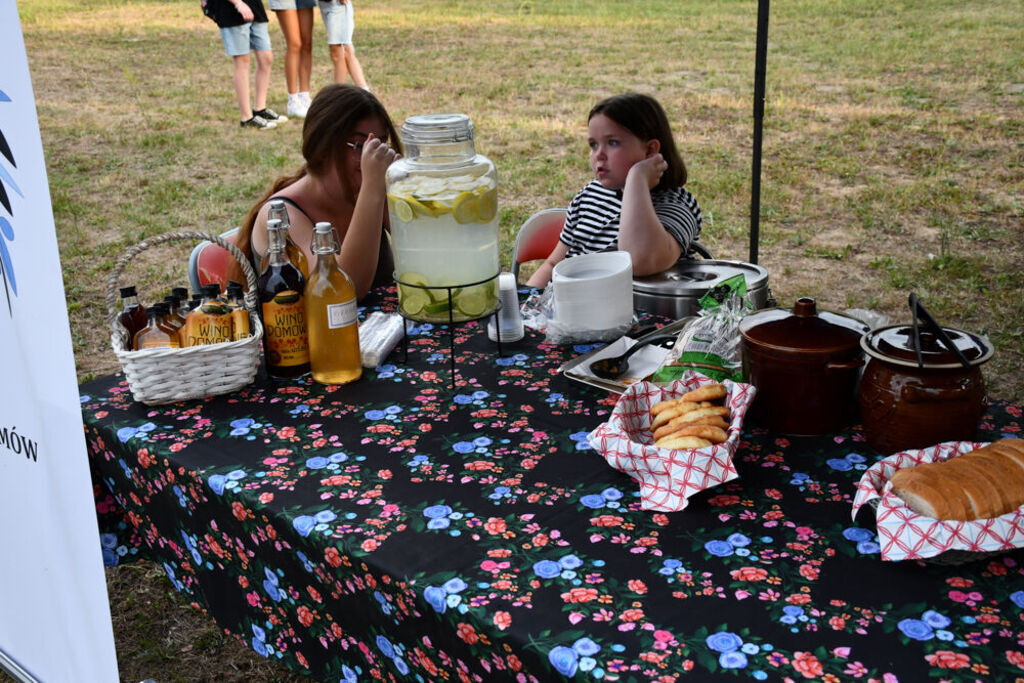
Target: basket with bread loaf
959,500
675,439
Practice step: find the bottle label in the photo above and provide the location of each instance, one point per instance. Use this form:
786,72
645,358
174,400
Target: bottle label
240,319
158,343
284,322
342,315
207,328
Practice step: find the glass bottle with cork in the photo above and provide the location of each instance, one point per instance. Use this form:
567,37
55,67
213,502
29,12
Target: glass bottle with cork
278,211
156,334
133,315
239,313
175,316
280,291
331,314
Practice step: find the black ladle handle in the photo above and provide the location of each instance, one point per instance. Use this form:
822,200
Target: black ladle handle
916,330
918,309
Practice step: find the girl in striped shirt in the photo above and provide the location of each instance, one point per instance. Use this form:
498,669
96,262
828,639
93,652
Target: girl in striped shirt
636,202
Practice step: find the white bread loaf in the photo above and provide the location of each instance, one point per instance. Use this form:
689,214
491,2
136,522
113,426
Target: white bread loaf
984,483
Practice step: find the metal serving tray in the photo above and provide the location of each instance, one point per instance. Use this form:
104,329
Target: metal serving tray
574,369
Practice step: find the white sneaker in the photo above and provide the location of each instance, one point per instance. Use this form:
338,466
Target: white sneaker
297,108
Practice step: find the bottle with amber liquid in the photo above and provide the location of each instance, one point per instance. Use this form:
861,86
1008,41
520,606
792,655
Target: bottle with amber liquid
278,211
133,315
181,294
331,314
280,290
175,316
156,334
210,322
239,313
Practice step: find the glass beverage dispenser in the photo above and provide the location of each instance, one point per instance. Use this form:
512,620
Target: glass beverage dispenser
443,202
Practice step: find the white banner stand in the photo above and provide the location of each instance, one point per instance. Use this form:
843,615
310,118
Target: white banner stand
54,612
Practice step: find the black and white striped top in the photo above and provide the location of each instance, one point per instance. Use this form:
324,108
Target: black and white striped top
592,221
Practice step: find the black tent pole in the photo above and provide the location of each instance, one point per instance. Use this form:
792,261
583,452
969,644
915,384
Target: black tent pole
759,69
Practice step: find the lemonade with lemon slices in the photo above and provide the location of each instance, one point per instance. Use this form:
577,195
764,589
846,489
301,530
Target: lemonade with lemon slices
443,204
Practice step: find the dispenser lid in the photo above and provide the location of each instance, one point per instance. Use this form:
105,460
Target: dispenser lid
437,129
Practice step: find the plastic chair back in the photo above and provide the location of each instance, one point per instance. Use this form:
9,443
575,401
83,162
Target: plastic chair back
210,262
537,237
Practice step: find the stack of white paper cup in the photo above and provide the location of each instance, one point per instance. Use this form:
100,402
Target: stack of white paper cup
508,320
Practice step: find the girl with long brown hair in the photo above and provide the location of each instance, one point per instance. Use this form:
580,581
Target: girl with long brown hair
348,142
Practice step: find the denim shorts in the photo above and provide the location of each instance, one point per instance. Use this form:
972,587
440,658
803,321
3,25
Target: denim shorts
338,21
276,5
239,40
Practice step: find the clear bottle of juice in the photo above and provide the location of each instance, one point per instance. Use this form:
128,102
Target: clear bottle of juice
155,335
278,211
331,314
443,203
280,290
210,323
239,313
133,315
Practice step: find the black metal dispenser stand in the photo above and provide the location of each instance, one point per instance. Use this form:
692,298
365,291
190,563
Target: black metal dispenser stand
449,289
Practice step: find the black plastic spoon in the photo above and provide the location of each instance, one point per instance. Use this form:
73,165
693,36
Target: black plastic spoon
612,368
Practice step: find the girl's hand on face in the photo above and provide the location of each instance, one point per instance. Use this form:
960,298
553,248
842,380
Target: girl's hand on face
650,169
377,156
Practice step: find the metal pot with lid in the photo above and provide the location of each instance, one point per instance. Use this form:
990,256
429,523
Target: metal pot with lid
919,389
805,364
676,292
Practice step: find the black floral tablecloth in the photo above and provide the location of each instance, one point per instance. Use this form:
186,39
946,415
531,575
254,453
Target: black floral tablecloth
402,528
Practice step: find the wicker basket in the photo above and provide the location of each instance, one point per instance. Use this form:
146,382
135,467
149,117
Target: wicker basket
954,557
158,376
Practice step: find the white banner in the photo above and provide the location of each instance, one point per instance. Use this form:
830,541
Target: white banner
54,613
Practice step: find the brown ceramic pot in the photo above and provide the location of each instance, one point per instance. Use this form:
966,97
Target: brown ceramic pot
904,404
805,364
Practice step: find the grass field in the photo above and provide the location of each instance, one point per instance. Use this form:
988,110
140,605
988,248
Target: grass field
893,161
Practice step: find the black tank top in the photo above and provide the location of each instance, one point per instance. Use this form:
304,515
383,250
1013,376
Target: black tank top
385,273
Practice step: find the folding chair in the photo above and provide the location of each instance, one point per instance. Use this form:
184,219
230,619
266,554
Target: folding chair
209,262
537,237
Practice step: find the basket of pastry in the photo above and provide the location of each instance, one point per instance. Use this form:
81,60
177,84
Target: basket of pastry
676,439
951,503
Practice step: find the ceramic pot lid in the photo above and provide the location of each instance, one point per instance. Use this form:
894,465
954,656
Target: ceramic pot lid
895,344
696,276
804,329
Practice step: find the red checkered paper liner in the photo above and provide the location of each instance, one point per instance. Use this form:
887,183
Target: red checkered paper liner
906,535
668,476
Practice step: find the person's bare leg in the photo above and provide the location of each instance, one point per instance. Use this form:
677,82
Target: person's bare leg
241,83
264,60
354,67
290,28
340,66
306,51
